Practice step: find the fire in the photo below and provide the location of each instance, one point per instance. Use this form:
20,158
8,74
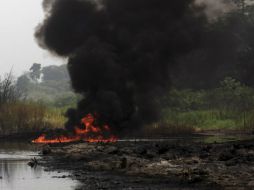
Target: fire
61,139
89,133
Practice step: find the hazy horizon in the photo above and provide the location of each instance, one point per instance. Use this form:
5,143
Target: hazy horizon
19,50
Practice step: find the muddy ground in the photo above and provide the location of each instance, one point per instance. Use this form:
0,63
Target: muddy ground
152,164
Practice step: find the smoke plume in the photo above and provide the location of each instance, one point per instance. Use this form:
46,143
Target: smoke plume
120,52
216,8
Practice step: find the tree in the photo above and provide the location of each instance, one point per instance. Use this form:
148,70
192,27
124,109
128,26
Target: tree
35,71
8,91
54,72
23,83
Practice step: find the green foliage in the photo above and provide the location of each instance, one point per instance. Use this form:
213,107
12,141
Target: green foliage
230,106
233,96
184,100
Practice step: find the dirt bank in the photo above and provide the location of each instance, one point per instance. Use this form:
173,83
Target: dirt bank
175,164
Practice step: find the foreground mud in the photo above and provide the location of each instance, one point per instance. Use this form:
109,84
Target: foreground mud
156,165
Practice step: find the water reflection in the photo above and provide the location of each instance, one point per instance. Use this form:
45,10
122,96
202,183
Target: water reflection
15,174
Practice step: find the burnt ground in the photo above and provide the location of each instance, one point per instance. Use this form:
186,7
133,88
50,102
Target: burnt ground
179,164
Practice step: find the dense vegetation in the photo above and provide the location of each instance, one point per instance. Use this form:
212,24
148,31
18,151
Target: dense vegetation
230,105
50,85
33,103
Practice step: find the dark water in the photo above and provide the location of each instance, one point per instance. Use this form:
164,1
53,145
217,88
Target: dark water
15,174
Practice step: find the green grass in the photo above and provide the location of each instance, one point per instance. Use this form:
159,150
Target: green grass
207,119
218,124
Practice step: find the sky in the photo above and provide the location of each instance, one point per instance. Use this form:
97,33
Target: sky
18,48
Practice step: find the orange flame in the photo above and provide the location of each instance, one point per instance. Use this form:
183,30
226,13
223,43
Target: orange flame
61,139
90,133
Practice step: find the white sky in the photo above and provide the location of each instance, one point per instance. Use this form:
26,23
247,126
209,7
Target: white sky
18,48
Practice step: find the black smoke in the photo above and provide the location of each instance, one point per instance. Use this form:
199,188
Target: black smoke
120,52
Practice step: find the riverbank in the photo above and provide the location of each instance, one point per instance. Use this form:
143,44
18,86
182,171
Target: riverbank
156,164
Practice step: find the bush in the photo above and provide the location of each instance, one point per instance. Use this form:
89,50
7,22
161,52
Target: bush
8,90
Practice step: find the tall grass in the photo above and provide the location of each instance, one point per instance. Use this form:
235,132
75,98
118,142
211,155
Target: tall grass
230,106
210,119
54,117
196,119
28,117
20,117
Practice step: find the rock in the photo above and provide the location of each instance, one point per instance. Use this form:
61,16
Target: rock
63,176
128,162
105,164
251,184
204,155
123,163
232,162
150,154
127,151
206,148
195,175
200,171
225,156
249,146
236,146
163,150
193,160
46,150
77,157
195,179
241,152
250,158
141,151
59,151
111,150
